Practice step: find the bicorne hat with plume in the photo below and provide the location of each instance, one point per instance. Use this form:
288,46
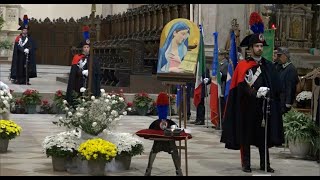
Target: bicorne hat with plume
162,105
86,36
257,27
25,24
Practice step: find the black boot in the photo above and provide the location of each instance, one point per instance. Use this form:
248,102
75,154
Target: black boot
269,169
262,160
199,122
246,169
245,158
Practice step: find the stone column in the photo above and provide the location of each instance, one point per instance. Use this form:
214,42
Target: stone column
9,30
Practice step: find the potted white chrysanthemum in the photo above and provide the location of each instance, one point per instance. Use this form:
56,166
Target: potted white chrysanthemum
304,99
128,146
62,148
93,114
5,104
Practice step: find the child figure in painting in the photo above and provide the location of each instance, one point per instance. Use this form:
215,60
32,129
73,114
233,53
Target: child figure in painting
174,49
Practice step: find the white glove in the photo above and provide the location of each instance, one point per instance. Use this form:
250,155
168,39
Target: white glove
206,80
262,92
26,51
85,73
3,86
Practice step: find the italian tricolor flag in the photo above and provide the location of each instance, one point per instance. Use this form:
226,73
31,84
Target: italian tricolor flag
201,68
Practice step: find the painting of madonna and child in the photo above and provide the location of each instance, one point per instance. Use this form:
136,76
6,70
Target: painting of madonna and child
178,50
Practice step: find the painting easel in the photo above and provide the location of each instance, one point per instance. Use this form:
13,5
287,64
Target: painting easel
182,110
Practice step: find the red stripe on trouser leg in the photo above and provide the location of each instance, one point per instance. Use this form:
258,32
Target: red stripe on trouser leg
241,154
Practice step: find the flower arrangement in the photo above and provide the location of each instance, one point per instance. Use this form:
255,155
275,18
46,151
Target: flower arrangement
97,149
126,143
64,144
9,129
304,95
45,106
31,97
59,96
5,101
172,99
94,115
142,100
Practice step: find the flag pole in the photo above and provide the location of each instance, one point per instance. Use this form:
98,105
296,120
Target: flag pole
219,101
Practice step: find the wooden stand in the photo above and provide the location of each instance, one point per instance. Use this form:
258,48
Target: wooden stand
182,109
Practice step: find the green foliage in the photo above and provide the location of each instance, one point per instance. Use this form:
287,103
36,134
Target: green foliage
59,96
299,127
136,150
58,152
142,100
31,97
6,44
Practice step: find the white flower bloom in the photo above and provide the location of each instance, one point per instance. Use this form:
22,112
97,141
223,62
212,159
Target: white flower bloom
124,113
121,99
1,93
102,91
94,124
304,95
82,90
104,94
6,98
65,102
78,114
66,109
113,96
2,97
104,114
105,131
93,98
60,118
10,96
129,109
81,109
114,102
108,108
108,96
83,100
106,100
113,112
69,113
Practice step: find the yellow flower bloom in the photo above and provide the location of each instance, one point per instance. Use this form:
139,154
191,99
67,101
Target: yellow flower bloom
9,129
98,149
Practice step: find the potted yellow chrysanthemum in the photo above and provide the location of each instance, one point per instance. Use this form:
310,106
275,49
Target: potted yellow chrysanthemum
8,130
97,152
